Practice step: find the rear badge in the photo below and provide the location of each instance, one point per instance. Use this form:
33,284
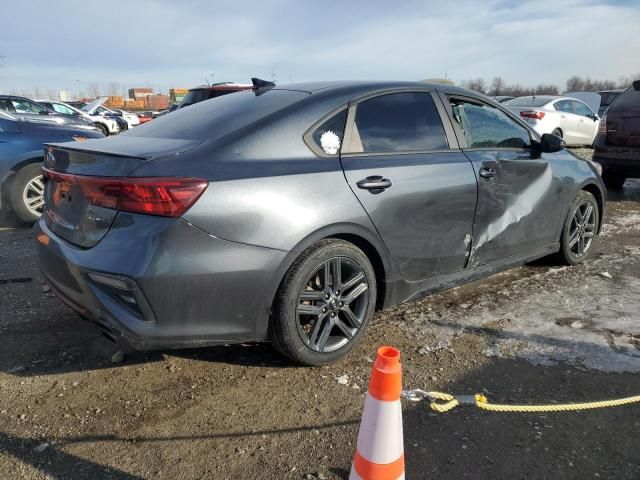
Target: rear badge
330,142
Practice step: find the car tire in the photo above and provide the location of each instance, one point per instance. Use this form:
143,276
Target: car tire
580,229
103,129
312,326
24,190
613,181
557,132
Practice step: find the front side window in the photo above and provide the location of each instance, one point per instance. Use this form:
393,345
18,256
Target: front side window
484,126
397,122
25,106
581,109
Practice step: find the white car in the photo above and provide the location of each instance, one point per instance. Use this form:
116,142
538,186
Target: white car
97,108
568,118
108,126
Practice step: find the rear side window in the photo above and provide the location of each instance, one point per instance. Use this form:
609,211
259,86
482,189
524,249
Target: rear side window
328,136
398,122
563,106
486,127
630,98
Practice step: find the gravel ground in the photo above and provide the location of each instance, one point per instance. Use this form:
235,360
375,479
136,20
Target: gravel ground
534,334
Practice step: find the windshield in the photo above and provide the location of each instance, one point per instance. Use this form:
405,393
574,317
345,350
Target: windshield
218,117
527,102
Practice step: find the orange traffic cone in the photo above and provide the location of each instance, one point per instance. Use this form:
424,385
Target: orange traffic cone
380,451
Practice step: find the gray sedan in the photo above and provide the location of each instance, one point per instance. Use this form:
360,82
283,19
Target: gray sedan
292,213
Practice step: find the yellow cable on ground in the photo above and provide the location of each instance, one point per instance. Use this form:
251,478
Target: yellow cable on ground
443,402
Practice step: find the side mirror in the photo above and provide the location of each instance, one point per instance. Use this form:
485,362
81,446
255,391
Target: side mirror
550,143
595,117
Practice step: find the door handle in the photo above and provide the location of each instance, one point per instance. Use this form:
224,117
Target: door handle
375,183
486,172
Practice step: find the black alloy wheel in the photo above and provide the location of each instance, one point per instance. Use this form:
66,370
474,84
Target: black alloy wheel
580,229
325,302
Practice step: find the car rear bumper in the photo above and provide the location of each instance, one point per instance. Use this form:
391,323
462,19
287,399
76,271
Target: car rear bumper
621,160
162,283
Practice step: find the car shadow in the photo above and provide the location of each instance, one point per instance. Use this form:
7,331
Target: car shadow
55,463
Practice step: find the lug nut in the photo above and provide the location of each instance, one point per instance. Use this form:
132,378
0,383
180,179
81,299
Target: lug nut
326,296
342,304
324,309
333,314
337,292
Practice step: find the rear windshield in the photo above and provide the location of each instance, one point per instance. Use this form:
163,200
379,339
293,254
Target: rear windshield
215,118
607,98
527,102
201,94
630,98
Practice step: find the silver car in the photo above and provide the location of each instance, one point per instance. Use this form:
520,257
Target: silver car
568,118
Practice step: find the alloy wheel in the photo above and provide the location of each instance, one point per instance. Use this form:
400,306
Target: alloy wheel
583,229
332,304
33,195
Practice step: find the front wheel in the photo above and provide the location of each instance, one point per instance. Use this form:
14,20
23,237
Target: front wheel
27,193
325,302
580,229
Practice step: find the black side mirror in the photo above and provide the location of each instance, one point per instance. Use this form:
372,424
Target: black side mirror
551,144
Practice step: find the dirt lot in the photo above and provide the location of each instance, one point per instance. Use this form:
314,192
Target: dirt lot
535,334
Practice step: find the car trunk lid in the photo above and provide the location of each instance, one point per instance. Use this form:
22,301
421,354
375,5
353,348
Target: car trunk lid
77,172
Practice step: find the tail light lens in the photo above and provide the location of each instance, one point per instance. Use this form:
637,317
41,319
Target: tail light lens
532,114
602,126
168,197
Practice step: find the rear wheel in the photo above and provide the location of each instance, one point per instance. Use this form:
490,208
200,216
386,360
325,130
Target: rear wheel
580,229
325,302
613,181
557,132
27,193
103,129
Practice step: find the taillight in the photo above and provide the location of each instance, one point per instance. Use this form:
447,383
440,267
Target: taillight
169,197
532,114
602,126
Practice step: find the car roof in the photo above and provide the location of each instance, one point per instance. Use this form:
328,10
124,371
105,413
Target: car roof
356,86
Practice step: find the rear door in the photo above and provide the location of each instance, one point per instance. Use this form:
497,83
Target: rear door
418,188
517,190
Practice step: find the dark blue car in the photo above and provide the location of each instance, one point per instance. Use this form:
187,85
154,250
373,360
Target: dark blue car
21,155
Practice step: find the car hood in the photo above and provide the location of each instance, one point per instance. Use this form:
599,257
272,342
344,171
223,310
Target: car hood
90,107
592,99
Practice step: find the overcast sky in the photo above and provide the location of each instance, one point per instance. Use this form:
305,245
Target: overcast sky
69,44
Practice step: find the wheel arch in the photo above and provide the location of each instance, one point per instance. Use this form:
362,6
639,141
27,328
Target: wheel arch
594,190
13,170
362,238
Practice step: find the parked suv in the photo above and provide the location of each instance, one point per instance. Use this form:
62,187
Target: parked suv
617,145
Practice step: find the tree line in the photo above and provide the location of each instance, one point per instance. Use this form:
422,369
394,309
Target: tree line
498,86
